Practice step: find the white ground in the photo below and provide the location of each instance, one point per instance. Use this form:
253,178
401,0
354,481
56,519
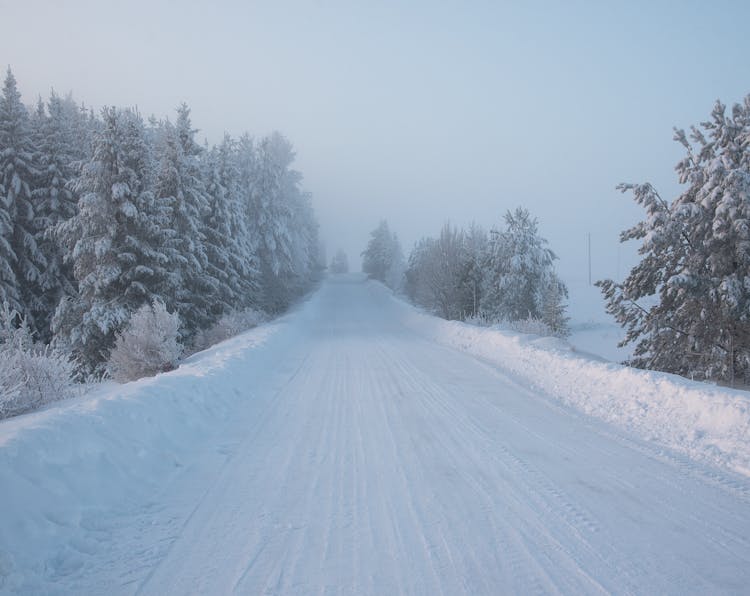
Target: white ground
343,450
593,331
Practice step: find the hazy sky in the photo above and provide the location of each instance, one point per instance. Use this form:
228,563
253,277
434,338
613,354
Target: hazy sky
419,112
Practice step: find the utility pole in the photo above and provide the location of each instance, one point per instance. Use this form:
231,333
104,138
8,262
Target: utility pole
589,250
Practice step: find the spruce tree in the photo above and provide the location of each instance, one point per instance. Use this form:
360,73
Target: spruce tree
272,219
113,242
54,203
377,256
193,290
21,261
229,251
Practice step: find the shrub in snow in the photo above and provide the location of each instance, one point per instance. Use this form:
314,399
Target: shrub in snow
227,326
554,309
479,319
31,375
148,345
530,325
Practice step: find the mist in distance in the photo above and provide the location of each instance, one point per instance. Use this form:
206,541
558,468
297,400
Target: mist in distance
420,113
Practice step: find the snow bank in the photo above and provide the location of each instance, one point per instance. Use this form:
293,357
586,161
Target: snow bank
62,468
706,422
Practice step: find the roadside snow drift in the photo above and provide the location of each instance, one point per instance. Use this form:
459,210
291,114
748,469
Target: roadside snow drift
63,469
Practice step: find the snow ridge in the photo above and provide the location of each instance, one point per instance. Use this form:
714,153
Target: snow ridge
62,469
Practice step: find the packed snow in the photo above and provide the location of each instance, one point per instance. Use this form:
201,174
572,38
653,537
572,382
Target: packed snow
357,445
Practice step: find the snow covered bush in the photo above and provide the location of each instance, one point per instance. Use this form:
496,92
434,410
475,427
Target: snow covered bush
227,326
148,345
31,375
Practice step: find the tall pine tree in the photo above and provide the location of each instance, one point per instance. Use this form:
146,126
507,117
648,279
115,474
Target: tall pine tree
180,187
54,203
21,261
114,242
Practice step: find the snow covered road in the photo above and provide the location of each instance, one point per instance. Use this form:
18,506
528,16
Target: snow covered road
371,460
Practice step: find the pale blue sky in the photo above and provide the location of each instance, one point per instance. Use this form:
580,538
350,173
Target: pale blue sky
419,112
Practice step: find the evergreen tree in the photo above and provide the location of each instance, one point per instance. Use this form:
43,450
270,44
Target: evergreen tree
192,291
113,242
21,261
378,257
686,305
54,202
553,309
229,251
518,268
271,212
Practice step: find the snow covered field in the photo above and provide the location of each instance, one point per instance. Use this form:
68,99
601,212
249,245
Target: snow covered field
593,331
359,446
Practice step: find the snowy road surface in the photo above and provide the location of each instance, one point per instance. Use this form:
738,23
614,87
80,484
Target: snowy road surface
371,461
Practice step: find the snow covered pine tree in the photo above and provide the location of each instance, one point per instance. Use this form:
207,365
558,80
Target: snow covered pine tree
383,259
114,242
21,261
687,303
518,271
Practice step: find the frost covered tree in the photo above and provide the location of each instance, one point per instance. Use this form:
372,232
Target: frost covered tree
272,215
553,308
230,251
115,242
518,268
686,304
305,241
21,261
394,275
54,203
340,262
445,273
383,259
99,216
278,214
31,374
192,291
147,345
474,251
435,273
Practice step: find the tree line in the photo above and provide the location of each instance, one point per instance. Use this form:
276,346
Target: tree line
101,214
